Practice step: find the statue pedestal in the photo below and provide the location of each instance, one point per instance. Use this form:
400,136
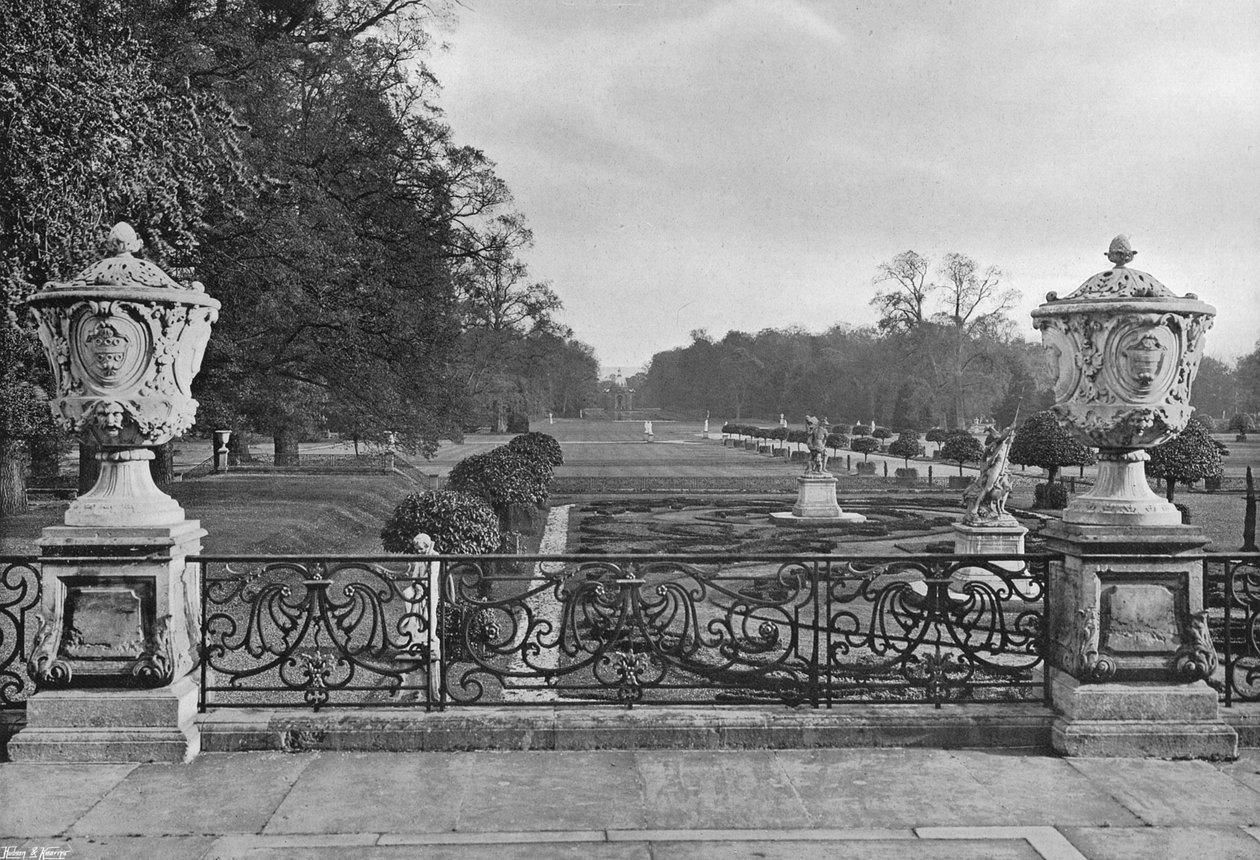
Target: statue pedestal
815,504
1129,646
1004,537
117,639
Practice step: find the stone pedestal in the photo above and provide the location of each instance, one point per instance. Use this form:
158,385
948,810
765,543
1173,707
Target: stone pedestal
1151,720
815,504
1129,644
90,725
1001,538
117,639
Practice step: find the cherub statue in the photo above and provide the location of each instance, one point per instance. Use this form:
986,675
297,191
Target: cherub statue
817,432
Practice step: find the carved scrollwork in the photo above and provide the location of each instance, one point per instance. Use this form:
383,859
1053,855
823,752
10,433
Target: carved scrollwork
1196,659
1088,663
156,666
44,666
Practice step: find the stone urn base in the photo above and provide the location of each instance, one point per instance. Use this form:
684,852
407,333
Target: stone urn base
1121,496
124,495
816,504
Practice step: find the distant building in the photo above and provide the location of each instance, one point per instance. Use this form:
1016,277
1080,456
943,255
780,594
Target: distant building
618,398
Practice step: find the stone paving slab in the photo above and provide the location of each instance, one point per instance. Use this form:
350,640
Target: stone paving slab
888,788
43,799
214,794
1164,843
693,788
1039,790
1173,793
654,805
391,793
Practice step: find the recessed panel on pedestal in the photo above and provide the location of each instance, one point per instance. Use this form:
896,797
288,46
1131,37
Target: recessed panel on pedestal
108,625
1142,620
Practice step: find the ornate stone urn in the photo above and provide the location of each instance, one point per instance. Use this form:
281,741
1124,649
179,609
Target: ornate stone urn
1127,350
124,342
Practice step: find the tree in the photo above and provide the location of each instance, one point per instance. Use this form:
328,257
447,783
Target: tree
92,134
961,447
975,315
865,445
24,415
1042,442
905,446
1215,388
1190,456
338,278
836,441
1242,424
937,435
902,299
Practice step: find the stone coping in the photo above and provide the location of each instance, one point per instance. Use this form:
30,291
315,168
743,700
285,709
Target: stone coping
1007,726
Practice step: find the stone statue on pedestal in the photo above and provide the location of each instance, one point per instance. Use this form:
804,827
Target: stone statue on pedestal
817,432
985,498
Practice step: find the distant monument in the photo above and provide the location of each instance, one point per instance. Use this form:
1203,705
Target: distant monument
816,503
618,398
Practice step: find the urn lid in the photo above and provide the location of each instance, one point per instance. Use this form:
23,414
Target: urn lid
1122,284
122,269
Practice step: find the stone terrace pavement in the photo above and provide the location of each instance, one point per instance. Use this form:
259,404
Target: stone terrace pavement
656,805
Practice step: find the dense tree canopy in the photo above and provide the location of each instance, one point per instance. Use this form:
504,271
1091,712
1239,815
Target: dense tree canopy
290,157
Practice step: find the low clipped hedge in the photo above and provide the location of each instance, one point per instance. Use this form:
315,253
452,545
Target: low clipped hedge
459,523
540,446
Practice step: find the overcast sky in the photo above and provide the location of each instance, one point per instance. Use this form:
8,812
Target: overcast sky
743,165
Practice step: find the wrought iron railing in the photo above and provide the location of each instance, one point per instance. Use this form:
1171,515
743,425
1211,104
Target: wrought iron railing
520,630
19,597
1231,599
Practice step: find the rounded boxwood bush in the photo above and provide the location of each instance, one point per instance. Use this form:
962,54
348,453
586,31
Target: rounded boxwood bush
459,523
1050,496
502,477
540,446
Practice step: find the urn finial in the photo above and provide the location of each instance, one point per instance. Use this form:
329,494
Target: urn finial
123,239
1120,252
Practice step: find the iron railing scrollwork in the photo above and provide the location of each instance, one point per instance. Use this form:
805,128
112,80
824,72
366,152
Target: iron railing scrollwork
19,598
1231,595
519,630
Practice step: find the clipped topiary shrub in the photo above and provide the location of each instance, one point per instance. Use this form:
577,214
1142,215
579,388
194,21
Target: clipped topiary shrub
865,445
961,447
1050,496
502,477
459,523
1188,457
540,446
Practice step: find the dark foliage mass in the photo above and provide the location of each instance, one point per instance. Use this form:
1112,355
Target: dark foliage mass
539,446
459,523
290,157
